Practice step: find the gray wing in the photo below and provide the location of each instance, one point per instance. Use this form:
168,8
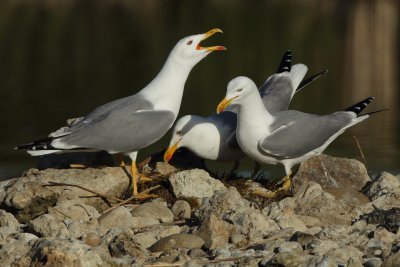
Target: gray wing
298,133
277,92
126,124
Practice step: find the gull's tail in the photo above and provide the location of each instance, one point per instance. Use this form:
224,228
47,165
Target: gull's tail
310,80
39,147
286,62
360,106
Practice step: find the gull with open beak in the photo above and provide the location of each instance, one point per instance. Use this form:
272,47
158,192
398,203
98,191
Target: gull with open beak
129,124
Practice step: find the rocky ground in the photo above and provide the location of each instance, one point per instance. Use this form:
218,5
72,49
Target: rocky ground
337,216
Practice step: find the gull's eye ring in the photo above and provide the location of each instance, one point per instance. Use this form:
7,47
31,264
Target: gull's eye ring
190,42
179,133
239,90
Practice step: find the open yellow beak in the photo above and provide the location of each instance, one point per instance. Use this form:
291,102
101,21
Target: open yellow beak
211,48
224,104
170,152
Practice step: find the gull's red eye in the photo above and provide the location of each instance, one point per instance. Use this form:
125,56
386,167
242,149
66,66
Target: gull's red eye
190,42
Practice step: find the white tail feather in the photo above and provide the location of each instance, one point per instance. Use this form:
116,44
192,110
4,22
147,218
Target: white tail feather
297,74
42,152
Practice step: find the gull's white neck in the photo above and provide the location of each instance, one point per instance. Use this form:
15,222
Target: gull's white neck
253,118
166,89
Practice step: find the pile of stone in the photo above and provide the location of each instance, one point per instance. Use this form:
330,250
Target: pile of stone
337,216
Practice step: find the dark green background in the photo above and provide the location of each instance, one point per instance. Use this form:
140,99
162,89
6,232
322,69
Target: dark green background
61,59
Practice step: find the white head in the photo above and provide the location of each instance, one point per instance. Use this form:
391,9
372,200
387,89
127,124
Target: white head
180,133
238,88
189,51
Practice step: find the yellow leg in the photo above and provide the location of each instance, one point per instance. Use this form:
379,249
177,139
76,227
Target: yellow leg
287,182
134,178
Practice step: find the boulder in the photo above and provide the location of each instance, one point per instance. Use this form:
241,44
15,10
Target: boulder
194,183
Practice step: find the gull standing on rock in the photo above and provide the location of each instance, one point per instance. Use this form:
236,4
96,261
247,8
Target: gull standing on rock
287,137
129,124
214,137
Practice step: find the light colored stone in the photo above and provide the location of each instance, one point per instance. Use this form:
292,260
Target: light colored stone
215,232
123,244
252,223
47,226
323,246
349,175
287,221
386,183
309,221
222,203
118,217
290,247
177,241
65,252
148,238
372,262
15,253
8,220
32,198
153,210
194,183
140,222
181,210
289,259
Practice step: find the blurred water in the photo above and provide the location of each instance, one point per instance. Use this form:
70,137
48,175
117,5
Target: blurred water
61,59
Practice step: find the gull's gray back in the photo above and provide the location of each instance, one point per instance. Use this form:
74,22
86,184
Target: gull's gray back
298,133
120,126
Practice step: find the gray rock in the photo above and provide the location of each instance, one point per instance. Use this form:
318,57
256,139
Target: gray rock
326,261
5,232
148,238
47,226
302,238
124,245
74,209
252,224
141,222
291,221
392,261
164,168
177,241
335,232
194,183
66,252
8,220
222,203
91,239
321,247
384,184
26,238
118,217
238,240
31,198
290,247
349,175
372,262
346,255
309,221
15,253
197,253
289,259
324,206
181,210
154,210
215,232
79,228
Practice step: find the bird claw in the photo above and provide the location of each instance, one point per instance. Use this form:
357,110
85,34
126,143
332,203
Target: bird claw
144,179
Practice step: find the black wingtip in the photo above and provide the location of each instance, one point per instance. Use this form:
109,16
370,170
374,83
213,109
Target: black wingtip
309,80
286,62
358,107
